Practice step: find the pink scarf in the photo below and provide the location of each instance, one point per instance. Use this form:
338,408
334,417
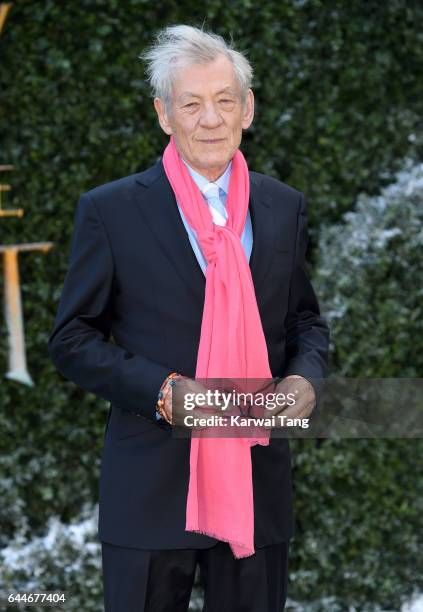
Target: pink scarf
232,345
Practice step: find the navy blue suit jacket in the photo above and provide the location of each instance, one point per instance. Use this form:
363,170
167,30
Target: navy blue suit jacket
130,313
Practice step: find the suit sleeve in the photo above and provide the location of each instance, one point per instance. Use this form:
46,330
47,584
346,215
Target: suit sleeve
79,344
307,333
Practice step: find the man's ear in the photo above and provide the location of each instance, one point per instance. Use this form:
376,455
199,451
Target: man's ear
162,115
248,110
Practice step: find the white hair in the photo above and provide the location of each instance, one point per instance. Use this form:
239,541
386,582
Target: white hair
180,46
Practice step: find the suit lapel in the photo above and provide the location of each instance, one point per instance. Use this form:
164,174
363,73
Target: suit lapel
157,204
160,211
263,232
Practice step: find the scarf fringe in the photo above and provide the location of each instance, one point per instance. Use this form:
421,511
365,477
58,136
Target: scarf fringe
222,539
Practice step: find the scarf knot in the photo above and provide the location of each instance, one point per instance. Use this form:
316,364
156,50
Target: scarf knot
213,241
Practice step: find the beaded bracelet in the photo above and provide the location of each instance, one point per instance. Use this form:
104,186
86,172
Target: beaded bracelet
163,393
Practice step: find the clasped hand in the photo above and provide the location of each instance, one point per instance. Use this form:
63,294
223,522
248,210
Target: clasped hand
292,386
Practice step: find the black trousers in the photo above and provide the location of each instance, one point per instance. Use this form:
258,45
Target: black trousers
136,580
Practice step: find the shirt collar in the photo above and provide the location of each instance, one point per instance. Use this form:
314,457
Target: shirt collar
201,181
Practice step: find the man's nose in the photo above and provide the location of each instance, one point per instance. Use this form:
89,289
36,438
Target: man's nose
210,117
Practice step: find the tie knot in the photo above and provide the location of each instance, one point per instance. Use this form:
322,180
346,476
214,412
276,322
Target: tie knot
216,206
211,190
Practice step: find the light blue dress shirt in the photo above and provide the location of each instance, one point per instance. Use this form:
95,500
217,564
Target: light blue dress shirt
223,184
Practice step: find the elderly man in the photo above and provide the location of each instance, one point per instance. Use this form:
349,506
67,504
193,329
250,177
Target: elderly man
195,268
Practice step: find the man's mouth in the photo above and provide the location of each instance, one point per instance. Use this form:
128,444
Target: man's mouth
212,140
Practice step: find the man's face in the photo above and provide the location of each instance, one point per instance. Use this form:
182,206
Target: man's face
207,116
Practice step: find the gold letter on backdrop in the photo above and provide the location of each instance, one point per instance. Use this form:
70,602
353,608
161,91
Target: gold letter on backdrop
13,304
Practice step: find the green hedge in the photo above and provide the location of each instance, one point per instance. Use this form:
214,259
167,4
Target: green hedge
338,107
359,502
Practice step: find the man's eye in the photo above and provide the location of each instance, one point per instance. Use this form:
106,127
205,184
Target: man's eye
226,101
190,105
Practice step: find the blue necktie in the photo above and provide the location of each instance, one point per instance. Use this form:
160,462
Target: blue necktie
217,209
